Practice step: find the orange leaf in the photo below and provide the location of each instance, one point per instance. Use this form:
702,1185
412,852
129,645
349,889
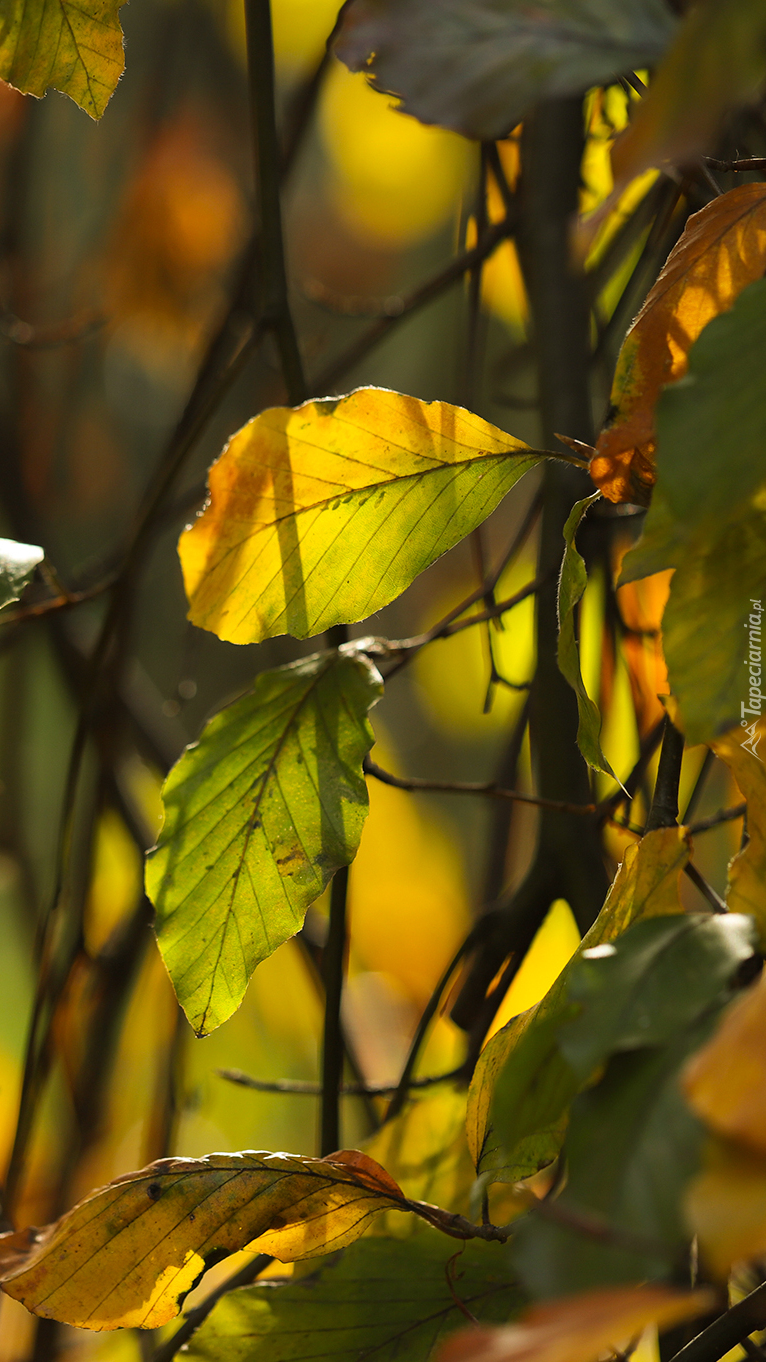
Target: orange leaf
576,1328
723,248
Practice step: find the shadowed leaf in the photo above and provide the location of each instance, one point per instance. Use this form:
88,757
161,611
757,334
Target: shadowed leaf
723,248
578,1328
746,887
17,563
718,60
572,583
385,1297
708,516
259,814
128,1254
726,1206
726,1082
324,513
478,66
75,48
522,1085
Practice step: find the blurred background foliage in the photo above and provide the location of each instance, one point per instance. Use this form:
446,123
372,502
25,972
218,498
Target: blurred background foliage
120,241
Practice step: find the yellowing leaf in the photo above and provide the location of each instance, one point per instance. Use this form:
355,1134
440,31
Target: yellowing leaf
128,1254
717,60
577,1328
725,1082
521,1077
723,248
746,888
259,814
324,513
725,1206
75,48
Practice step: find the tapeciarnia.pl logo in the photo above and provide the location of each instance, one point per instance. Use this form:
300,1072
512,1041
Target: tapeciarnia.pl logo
754,703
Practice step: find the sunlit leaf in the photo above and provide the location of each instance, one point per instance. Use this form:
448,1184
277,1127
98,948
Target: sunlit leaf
128,1254
385,1297
478,66
522,1084
718,60
17,563
259,814
746,887
578,1328
708,516
324,513
75,48
572,584
726,1082
723,248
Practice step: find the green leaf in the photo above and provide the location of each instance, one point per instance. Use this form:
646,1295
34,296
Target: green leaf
572,584
631,1147
323,514
479,66
708,515
75,48
388,1298
648,1000
654,980
259,814
522,1084
17,563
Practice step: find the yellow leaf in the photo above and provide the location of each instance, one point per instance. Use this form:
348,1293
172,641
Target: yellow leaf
72,47
324,513
725,1082
723,248
577,1328
646,885
128,1254
725,1206
717,60
746,889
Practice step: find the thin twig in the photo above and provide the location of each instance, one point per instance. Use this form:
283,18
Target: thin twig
707,891
728,1330
740,166
199,1314
715,819
297,1087
413,784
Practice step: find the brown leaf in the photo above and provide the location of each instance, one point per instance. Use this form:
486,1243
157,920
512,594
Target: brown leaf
723,248
576,1328
725,1082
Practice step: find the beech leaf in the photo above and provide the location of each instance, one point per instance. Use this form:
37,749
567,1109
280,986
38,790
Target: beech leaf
746,886
522,1085
322,514
387,1298
722,249
259,814
129,1253
75,48
725,1082
578,1328
478,66
572,583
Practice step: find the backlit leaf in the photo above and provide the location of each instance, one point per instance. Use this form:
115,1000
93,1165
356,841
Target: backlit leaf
128,1254
578,1328
259,814
726,1082
75,48
708,516
726,1206
718,60
17,563
478,66
324,513
746,887
522,1085
384,1297
723,248
572,584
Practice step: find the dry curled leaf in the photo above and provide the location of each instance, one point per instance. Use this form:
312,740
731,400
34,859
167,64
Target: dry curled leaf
722,249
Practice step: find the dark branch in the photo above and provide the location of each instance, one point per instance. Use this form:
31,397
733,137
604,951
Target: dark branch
413,784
